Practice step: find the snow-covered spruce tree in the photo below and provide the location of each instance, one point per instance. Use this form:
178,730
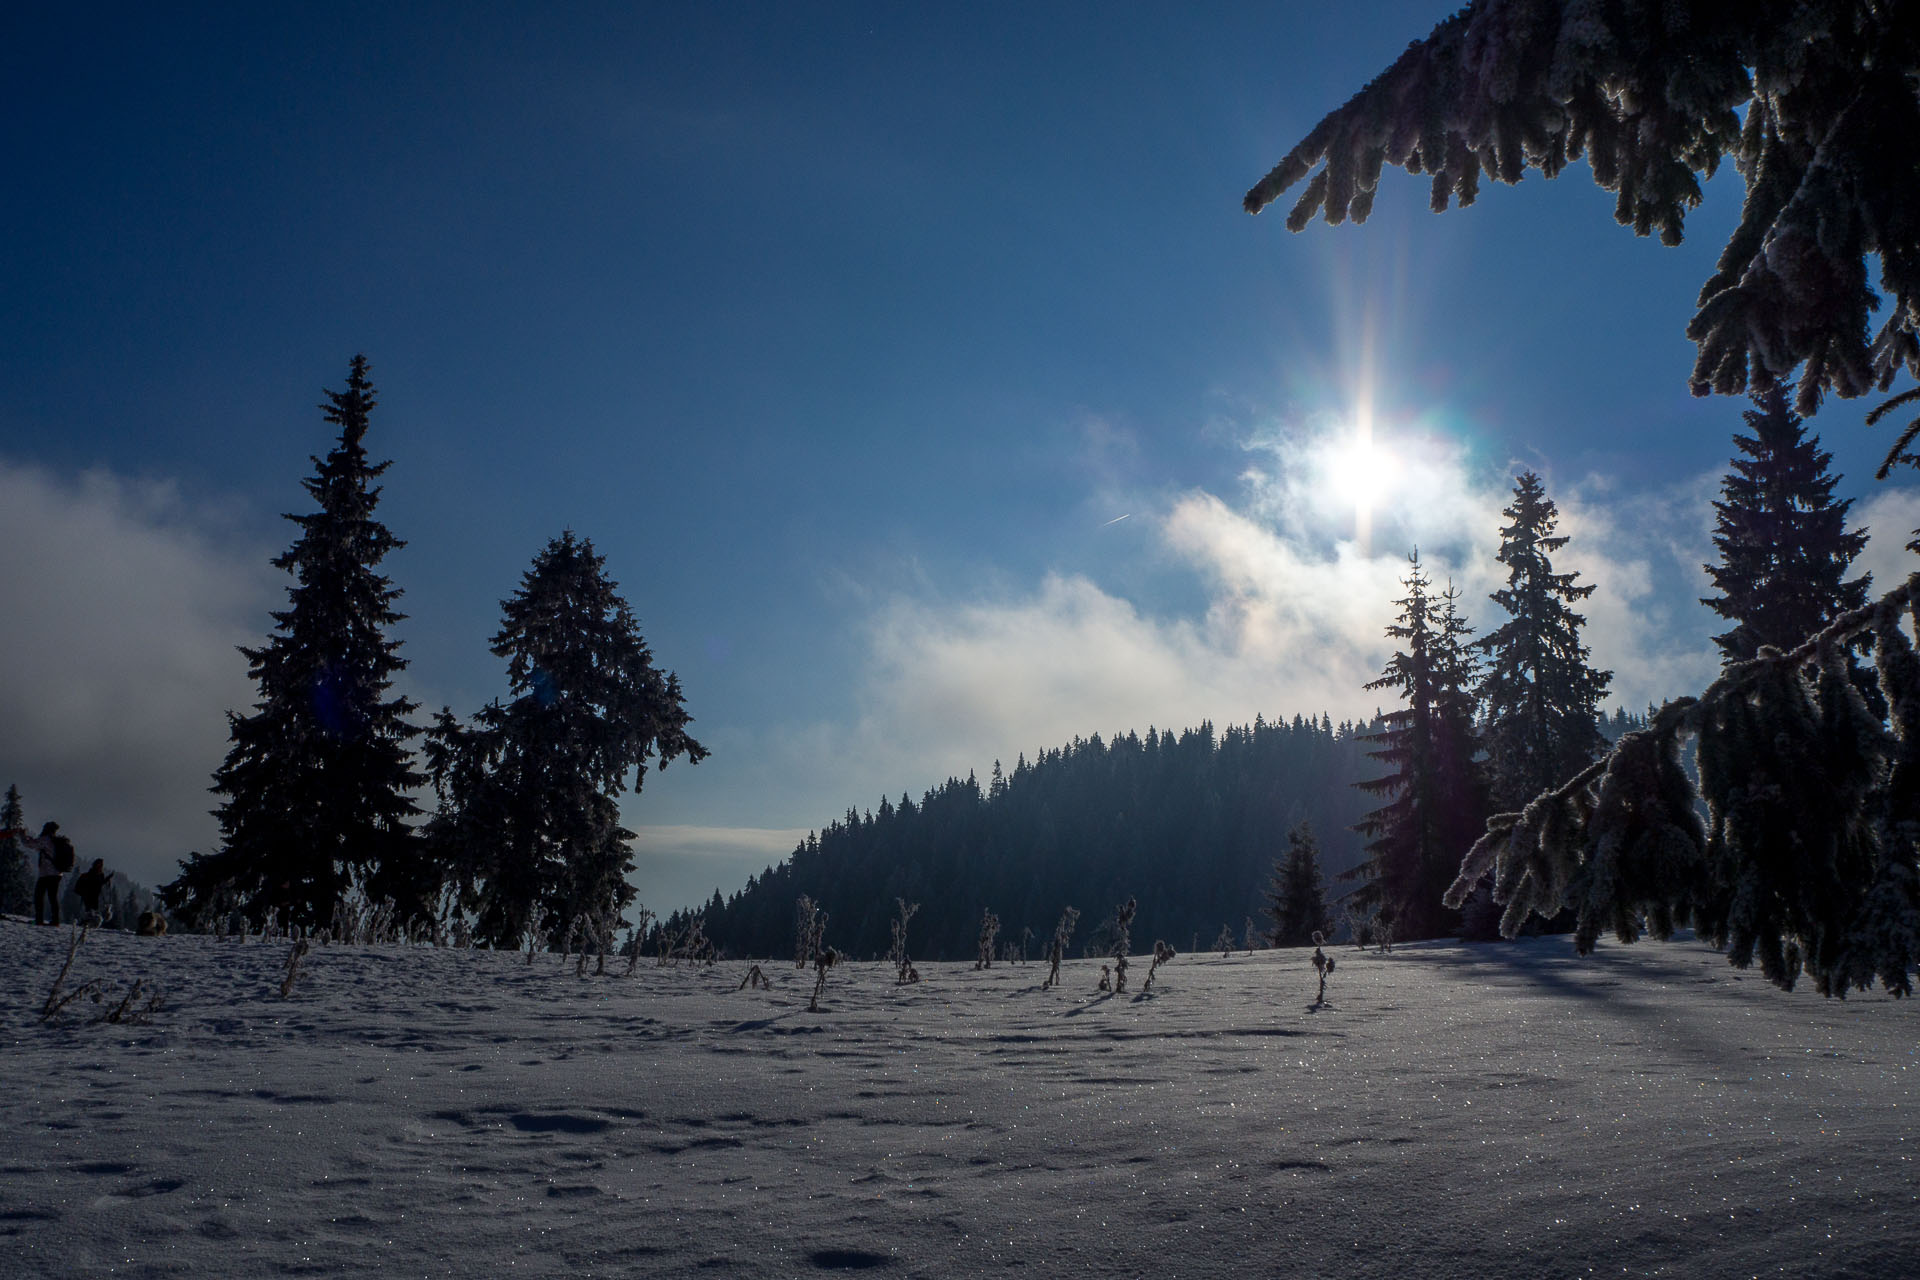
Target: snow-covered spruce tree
1540,698
1297,895
1816,101
1783,541
1437,788
16,877
1810,856
317,783
529,820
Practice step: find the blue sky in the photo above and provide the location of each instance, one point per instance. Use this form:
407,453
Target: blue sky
846,332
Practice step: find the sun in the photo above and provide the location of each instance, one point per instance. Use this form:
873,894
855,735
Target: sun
1358,472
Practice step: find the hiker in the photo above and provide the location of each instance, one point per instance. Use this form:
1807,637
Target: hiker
89,884
53,850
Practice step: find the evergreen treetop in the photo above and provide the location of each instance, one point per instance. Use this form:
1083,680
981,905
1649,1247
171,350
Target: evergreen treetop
1540,698
1816,101
1783,541
318,778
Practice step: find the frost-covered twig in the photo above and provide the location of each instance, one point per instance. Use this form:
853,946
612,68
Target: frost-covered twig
806,931
824,958
1121,926
56,1001
127,1012
904,972
1322,965
1162,952
689,942
295,955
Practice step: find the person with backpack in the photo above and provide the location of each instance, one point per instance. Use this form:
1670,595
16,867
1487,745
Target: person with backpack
55,860
89,885
55,856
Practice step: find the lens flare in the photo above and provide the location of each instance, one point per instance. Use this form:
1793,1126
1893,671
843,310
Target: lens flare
1359,473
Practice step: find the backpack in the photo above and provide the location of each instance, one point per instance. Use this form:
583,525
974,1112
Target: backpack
63,856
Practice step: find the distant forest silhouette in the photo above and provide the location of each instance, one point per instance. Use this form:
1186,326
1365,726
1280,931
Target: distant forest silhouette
1189,824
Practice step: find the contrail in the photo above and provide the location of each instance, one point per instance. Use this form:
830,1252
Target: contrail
1117,519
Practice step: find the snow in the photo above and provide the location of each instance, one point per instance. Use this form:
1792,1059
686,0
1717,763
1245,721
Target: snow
1456,1110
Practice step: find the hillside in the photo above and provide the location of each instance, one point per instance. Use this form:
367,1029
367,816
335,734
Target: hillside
1188,825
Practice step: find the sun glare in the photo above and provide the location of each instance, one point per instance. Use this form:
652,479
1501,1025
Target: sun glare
1359,472
1359,475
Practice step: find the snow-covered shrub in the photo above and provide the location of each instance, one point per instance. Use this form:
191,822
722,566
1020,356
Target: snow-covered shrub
360,921
1162,952
127,1009
1121,927
130,1008
1224,943
636,938
989,930
824,958
1057,948
904,972
756,979
535,939
57,997
1367,928
687,942
806,931
1322,965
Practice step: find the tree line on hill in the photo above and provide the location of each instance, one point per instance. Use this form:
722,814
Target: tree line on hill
1188,824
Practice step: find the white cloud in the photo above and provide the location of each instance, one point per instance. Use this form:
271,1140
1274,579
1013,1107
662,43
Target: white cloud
1293,619
123,609
1890,515
1645,553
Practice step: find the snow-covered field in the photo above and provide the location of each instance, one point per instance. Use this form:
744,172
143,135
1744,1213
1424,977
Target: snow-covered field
1502,1109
